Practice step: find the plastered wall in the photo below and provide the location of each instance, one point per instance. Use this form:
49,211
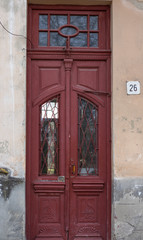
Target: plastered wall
127,65
127,116
12,85
127,120
12,118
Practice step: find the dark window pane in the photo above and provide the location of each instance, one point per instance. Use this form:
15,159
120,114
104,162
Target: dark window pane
49,137
57,40
68,30
57,21
79,41
43,22
79,21
93,39
87,140
43,38
93,22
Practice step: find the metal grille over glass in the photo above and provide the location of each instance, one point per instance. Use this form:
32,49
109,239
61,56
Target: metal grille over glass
50,35
49,137
87,138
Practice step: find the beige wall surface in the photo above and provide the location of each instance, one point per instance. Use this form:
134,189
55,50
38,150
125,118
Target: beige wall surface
12,86
127,114
127,65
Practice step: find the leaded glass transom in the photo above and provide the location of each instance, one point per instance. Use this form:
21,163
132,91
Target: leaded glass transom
49,137
87,138
52,26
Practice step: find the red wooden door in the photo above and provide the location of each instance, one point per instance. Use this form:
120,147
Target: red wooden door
68,145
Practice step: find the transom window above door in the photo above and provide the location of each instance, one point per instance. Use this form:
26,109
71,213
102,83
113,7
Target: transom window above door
69,27
82,30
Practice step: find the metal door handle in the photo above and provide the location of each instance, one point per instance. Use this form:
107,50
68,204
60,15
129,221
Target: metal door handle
73,169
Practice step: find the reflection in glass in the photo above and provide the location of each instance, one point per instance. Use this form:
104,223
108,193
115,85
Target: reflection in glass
87,140
57,21
93,39
43,22
79,41
93,22
49,137
43,39
79,21
68,30
57,40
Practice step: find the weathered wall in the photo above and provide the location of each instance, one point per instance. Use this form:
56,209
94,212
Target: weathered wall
127,120
12,120
127,117
12,86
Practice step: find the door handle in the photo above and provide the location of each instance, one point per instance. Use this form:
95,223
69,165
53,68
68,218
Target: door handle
73,169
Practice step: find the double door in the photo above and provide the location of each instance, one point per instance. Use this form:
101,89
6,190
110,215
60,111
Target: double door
68,150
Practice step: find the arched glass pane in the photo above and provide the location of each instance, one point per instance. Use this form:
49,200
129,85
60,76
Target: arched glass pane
49,137
87,138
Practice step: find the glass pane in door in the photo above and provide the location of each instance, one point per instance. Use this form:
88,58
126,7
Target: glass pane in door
49,137
87,138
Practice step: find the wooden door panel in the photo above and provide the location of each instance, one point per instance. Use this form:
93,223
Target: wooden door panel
90,74
79,199
50,214
48,78
47,193
88,205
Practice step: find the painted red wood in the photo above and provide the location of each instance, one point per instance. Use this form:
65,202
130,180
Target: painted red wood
74,207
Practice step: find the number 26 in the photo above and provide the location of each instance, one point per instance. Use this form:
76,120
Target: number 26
133,87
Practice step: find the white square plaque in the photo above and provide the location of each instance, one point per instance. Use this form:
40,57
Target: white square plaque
133,87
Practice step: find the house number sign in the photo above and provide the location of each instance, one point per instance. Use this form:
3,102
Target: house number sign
133,87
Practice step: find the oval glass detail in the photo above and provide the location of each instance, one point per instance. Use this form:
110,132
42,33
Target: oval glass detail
68,31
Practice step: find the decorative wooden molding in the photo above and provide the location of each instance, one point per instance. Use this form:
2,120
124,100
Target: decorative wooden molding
45,186
97,187
68,64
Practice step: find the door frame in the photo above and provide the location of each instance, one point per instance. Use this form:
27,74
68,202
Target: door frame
99,54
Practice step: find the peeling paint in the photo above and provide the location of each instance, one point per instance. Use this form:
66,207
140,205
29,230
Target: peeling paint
7,183
128,209
12,213
123,187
